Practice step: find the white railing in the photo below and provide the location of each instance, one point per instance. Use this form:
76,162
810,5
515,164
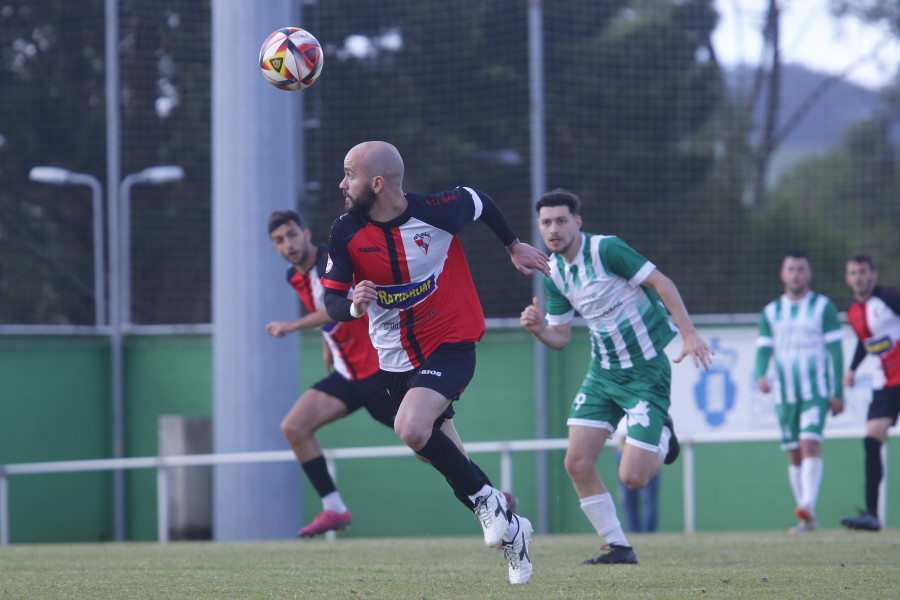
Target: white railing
163,464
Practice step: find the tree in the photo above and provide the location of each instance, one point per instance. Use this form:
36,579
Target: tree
53,113
768,80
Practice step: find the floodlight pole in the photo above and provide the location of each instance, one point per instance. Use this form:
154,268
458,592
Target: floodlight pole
58,176
113,175
154,176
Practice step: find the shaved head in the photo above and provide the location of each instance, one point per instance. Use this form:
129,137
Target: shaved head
379,159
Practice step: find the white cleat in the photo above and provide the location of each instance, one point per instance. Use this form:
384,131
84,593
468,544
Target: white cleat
517,552
491,512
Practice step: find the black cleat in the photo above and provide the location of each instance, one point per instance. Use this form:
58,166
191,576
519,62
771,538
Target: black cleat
865,521
674,446
617,555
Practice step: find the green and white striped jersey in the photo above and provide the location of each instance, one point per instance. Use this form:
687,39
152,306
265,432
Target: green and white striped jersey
629,323
805,339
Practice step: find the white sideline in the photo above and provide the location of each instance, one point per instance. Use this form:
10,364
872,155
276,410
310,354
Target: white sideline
504,448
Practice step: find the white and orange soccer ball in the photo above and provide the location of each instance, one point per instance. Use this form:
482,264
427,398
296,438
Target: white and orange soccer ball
291,59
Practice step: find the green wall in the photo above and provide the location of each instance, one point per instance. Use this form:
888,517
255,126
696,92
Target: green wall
54,405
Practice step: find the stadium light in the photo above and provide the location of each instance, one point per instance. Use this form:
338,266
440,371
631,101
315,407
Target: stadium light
60,176
158,175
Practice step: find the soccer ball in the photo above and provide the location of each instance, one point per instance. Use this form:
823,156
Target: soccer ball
291,59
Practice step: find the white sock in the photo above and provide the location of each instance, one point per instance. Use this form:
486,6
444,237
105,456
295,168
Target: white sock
796,483
333,501
811,476
484,491
664,438
601,512
513,530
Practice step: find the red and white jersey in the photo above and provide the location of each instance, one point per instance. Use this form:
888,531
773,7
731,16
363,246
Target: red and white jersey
352,351
877,325
426,296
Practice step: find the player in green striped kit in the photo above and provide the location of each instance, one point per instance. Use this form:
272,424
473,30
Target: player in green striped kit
624,299
801,331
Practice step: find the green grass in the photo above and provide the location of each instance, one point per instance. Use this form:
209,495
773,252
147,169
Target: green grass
827,564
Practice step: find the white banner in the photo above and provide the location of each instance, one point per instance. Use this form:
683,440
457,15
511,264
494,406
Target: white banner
725,398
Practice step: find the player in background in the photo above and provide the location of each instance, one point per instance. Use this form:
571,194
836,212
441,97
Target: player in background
874,315
413,281
623,297
801,331
350,360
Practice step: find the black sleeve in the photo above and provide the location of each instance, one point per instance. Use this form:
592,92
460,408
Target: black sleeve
890,297
858,356
337,305
493,218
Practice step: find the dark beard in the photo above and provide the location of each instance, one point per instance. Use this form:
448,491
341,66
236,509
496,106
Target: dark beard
363,203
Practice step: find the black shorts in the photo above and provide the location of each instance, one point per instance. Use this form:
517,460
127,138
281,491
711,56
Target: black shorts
369,393
885,403
448,370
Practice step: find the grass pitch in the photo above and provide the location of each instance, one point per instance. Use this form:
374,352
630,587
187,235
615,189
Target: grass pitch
825,564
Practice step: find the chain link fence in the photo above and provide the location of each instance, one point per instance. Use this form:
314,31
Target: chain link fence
693,164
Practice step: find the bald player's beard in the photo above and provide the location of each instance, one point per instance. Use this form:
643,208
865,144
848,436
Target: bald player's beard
360,206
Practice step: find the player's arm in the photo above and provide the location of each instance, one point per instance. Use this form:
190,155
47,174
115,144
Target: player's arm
693,345
836,354
307,321
552,336
834,337
342,308
525,257
858,356
764,351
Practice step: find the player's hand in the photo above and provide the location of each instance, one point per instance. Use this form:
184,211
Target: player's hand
529,259
849,379
837,406
278,328
695,347
363,295
532,319
763,384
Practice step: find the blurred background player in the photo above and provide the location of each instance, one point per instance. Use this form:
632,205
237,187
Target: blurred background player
349,358
624,299
802,332
874,315
413,279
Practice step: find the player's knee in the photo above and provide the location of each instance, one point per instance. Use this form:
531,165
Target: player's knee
411,436
633,481
577,466
295,429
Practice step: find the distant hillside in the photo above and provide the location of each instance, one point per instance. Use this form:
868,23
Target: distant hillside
823,126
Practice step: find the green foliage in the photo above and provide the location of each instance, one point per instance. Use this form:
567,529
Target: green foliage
839,204
52,112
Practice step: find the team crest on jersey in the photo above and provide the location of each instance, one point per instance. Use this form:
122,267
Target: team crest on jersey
328,265
423,240
639,415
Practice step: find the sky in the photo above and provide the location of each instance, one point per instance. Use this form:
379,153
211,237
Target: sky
809,36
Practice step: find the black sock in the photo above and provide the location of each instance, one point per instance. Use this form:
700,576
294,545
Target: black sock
451,463
464,497
874,473
317,471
